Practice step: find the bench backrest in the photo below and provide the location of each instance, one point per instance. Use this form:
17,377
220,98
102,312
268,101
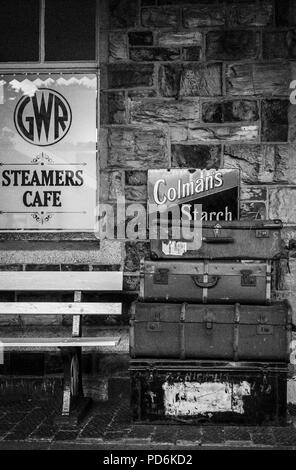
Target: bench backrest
61,281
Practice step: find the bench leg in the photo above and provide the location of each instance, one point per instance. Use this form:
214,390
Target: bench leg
74,404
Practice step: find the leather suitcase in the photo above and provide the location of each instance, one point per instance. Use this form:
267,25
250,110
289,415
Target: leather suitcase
196,331
205,281
254,239
196,392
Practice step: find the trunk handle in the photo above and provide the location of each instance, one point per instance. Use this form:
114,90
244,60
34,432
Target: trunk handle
212,282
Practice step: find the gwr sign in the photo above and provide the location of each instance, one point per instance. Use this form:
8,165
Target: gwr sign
44,118
48,144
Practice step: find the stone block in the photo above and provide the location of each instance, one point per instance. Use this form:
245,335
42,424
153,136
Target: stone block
136,193
140,38
232,45
113,108
111,185
285,12
262,163
230,111
182,38
178,132
227,133
274,116
167,111
282,203
249,13
199,80
135,178
135,251
123,13
192,53
149,54
204,14
130,75
250,210
253,193
117,46
196,156
138,148
279,45
257,79
160,17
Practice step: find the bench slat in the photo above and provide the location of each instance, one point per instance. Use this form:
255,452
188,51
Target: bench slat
59,342
60,308
61,281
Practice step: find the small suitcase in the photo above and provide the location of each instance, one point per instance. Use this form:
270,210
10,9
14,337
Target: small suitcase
205,281
195,392
254,239
196,331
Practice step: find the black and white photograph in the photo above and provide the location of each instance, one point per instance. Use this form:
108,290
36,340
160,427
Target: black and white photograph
147,230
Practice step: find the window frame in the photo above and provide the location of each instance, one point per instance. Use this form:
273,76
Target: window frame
42,64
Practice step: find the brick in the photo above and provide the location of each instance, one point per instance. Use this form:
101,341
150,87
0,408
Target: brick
123,13
256,79
203,15
196,156
249,13
262,163
274,120
146,54
159,17
130,75
228,133
136,178
113,108
231,45
164,110
117,46
285,12
230,111
282,203
253,210
140,38
138,148
279,45
183,38
192,53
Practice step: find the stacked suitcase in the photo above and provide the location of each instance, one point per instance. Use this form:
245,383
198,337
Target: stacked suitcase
206,342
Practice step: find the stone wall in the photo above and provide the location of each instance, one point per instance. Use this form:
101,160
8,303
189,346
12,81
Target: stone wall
201,84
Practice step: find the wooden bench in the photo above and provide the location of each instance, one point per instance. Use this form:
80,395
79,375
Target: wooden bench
77,282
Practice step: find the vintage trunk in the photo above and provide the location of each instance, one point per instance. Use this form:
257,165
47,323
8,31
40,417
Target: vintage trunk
195,392
205,281
232,332
255,239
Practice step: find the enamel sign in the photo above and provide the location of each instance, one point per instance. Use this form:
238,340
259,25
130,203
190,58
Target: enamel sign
48,152
206,195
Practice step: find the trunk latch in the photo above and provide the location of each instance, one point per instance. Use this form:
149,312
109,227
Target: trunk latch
247,280
161,276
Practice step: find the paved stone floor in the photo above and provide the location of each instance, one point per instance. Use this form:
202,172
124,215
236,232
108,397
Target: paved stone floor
30,425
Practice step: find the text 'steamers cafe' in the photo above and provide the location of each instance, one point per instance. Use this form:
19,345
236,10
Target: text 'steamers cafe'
47,152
